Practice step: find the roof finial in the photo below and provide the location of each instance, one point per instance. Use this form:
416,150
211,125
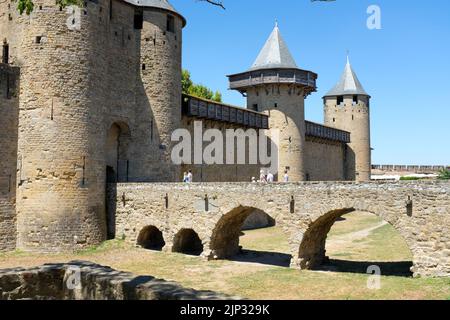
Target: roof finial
276,23
348,56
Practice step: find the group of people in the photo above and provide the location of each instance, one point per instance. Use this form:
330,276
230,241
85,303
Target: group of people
269,177
188,177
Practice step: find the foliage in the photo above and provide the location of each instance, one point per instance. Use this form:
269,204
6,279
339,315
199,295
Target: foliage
198,90
27,6
410,178
444,174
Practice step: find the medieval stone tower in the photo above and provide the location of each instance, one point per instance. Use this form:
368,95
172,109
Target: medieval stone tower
276,86
347,107
100,93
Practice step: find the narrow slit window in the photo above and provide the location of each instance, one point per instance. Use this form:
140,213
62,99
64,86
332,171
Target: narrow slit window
138,19
170,23
5,54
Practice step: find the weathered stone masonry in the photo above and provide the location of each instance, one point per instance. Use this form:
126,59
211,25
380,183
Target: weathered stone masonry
420,212
9,113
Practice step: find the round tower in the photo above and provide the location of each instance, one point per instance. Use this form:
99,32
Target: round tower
276,86
347,107
60,187
159,94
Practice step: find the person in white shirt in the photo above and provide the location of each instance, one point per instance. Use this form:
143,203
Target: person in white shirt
286,177
270,177
190,177
262,177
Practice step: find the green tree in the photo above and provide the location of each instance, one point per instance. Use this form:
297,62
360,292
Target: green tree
444,174
27,6
198,90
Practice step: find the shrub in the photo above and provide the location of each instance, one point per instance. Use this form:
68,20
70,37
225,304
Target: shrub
444,174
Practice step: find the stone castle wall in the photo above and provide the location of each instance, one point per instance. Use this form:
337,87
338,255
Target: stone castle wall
9,114
325,160
219,172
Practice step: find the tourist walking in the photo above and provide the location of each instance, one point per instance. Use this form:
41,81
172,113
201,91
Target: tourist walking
270,177
286,177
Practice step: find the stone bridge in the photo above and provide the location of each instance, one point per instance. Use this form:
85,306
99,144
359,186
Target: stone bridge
207,218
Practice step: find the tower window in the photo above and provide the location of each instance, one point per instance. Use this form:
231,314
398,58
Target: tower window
38,39
110,9
138,19
276,105
355,99
5,55
255,107
340,100
170,23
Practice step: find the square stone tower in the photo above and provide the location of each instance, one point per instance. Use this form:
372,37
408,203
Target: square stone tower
347,107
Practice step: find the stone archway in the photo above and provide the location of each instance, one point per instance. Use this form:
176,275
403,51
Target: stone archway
312,249
225,239
188,242
117,151
151,238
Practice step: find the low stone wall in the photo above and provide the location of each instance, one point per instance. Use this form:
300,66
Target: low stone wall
80,280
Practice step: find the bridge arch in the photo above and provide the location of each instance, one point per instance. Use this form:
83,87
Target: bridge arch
187,241
151,238
224,241
312,249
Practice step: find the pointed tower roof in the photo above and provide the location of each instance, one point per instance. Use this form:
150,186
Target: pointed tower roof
274,54
348,84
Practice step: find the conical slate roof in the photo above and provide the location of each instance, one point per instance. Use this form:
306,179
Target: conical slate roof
275,53
161,4
348,84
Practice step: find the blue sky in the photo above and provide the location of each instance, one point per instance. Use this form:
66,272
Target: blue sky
405,66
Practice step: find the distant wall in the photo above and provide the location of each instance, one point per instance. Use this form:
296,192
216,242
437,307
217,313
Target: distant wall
409,168
325,160
9,113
